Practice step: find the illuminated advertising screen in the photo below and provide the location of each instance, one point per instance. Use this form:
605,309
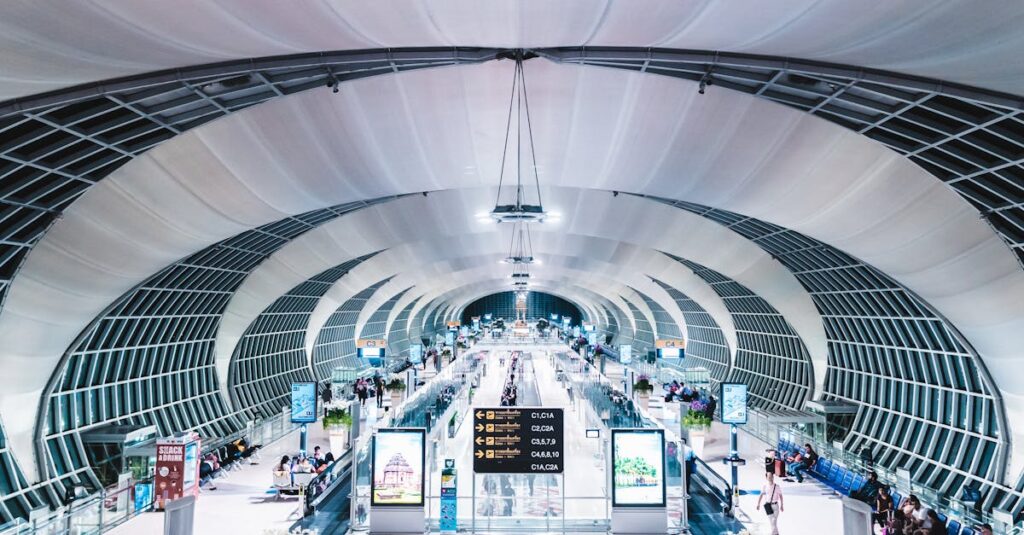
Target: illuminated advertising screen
415,353
191,471
589,327
734,403
670,352
638,461
397,466
303,403
592,339
449,338
374,356
554,317
625,354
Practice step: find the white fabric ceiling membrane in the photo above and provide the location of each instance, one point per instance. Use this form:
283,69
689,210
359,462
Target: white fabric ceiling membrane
50,44
594,128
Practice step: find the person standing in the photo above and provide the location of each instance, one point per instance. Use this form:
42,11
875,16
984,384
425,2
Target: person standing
378,386
771,495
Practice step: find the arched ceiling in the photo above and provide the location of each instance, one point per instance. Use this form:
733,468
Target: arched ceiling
596,129
50,44
440,130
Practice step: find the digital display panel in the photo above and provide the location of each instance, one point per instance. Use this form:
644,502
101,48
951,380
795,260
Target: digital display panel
734,403
303,403
625,354
415,353
554,317
191,470
638,461
374,356
449,338
397,466
670,352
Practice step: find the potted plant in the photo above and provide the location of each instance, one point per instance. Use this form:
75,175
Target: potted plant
396,387
643,388
451,424
696,423
338,423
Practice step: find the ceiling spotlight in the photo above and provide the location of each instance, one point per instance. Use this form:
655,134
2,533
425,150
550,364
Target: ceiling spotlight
332,83
705,81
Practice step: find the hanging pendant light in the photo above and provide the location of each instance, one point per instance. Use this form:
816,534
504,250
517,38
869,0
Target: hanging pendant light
516,207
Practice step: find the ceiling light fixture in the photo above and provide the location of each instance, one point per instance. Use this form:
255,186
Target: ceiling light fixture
518,209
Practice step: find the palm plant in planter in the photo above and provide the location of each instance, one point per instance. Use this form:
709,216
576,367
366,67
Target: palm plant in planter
338,423
396,387
643,388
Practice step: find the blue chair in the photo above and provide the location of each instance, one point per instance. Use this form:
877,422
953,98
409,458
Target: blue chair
836,476
847,482
896,498
823,467
953,528
967,531
857,483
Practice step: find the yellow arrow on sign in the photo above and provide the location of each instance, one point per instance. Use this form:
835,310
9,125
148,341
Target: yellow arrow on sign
479,441
479,427
479,454
479,414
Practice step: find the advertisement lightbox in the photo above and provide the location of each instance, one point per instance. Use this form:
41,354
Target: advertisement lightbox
397,464
374,356
191,471
670,353
638,468
415,353
303,403
625,354
734,403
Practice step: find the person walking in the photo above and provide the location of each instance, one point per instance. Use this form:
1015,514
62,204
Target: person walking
378,387
771,495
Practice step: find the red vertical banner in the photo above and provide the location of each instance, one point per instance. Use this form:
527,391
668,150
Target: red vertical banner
177,468
170,465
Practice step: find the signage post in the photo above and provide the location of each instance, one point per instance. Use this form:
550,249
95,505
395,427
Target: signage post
304,400
177,468
449,498
734,413
518,440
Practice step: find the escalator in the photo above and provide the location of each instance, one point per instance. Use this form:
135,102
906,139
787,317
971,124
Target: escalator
710,496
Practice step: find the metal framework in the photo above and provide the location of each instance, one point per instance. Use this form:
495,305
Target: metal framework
664,325
336,342
538,305
643,334
705,343
149,358
971,139
398,335
272,353
770,356
926,402
612,327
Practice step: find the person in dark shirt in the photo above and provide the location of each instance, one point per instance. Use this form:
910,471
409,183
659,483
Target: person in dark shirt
883,506
869,490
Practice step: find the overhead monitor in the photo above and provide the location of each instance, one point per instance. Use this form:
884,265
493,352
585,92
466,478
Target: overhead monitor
397,465
734,403
638,468
589,327
303,403
374,356
670,353
554,317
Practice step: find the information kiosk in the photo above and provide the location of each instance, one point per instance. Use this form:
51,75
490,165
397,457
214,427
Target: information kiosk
398,480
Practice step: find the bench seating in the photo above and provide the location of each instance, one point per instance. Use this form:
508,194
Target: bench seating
845,481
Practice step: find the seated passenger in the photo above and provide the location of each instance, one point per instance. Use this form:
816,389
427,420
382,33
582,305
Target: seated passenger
869,490
917,515
282,467
303,466
317,459
883,506
935,525
802,461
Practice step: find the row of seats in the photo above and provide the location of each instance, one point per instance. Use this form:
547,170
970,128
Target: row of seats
229,456
845,481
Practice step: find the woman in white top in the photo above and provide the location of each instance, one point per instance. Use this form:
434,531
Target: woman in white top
771,494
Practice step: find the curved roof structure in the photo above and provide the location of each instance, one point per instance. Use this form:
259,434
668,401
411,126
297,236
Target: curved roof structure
810,192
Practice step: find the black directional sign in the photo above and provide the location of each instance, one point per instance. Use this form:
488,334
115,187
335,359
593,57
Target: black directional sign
518,440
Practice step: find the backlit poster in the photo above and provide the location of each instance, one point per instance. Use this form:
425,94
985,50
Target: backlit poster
397,467
191,471
449,338
638,468
415,353
625,354
734,403
303,403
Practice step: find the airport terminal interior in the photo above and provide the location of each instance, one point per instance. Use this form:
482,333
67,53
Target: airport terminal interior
511,266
